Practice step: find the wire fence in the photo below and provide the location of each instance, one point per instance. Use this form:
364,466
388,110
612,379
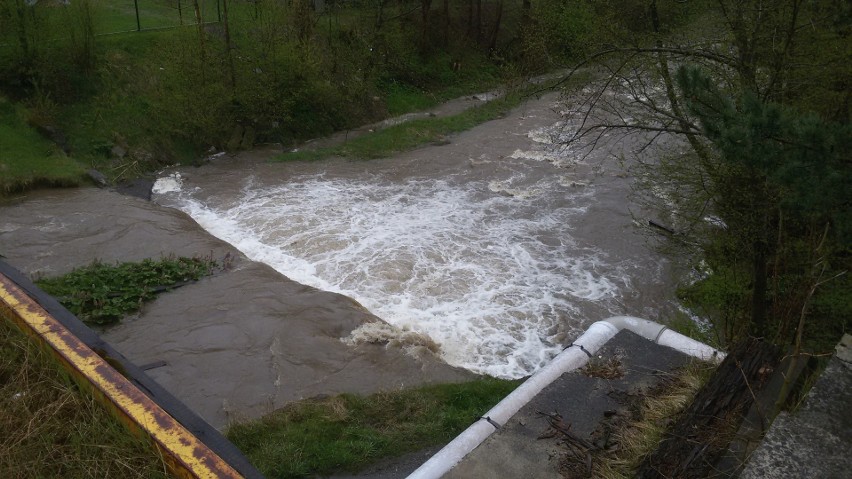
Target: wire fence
111,17
47,19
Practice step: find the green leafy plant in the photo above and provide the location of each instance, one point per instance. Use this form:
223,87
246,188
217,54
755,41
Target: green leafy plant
102,294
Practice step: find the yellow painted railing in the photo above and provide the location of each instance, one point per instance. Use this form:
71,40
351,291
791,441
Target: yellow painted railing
185,455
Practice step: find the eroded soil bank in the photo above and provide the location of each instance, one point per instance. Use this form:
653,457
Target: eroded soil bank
236,345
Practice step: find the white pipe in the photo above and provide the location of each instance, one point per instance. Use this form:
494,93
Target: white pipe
573,357
666,337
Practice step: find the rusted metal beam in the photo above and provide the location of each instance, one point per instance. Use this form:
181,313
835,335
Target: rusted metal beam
185,454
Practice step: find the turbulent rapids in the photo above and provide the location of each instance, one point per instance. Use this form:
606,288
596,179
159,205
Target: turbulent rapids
497,250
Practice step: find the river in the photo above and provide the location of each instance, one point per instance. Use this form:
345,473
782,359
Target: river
500,246
492,250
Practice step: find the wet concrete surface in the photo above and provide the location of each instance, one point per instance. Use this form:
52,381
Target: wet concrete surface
523,448
51,232
236,345
393,468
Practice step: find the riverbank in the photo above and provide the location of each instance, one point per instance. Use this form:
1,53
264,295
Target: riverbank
130,102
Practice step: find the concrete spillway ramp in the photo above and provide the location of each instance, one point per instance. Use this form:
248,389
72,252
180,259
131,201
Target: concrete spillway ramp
528,446
235,345
247,342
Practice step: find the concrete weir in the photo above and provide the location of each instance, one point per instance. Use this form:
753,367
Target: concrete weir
190,447
232,346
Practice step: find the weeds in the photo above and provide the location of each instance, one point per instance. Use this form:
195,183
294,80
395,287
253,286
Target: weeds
103,294
52,429
608,368
348,432
656,412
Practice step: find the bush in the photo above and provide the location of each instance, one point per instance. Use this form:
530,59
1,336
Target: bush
103,294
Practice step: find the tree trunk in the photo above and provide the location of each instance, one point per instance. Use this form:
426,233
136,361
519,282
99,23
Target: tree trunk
699,148
200,25
228,48
758,298
425,9
694,444
20,11
492,45
446,29
380,15
477,22
470,18
303,19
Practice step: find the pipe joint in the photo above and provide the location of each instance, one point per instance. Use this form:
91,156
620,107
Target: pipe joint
569,359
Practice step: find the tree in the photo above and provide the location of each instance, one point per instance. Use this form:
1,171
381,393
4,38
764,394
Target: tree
19,16
744,136
798,169
425,18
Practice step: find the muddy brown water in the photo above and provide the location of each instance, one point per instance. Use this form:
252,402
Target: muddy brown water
499,246
237,345
249,340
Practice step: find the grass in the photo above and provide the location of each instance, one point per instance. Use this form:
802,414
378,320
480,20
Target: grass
102,294
138,106
27,159
348,432
411,134
658,410
401,98
120,16
52,429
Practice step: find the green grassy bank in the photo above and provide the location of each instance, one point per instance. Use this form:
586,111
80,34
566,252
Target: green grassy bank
346,433
261,71
28,159
412,134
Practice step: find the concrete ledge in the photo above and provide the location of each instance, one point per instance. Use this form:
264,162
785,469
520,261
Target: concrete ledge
815,441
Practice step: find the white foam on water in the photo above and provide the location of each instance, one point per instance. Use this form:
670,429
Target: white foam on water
508,187
494,280
556,158
168,184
